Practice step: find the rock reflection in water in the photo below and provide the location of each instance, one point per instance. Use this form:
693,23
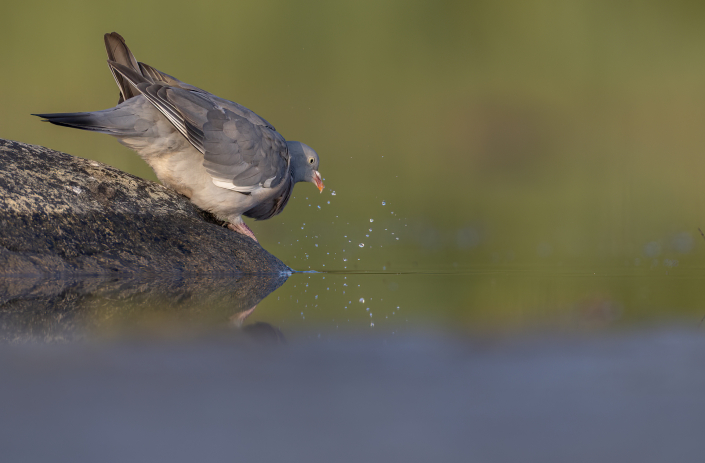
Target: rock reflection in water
63,310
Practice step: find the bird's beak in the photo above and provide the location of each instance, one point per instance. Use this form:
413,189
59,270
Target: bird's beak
317,180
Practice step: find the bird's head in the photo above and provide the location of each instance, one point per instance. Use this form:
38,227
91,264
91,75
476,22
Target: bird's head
304,164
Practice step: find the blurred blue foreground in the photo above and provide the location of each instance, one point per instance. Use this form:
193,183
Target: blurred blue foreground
637,397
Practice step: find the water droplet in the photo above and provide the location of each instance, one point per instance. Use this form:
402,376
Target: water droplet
316,296
316,245
397,238
384,203
372,220
328,202
372,324
362,245
362,300
345,260
319,207
368,309
332,193
370,315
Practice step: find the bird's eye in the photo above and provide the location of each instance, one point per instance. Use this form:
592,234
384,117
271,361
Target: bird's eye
310,161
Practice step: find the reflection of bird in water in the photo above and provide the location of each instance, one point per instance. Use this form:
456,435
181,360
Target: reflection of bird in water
239,318
260,331
266,333
222,156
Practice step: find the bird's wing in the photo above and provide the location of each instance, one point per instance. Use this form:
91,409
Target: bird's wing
242,152
274,204
155,75
243,156
118,52
243,112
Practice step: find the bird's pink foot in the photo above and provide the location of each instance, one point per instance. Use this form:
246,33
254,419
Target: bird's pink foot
243,229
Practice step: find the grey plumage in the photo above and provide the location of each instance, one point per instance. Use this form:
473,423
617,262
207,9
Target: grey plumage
223,156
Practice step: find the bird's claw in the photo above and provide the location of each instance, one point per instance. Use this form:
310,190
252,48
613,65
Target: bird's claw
243,229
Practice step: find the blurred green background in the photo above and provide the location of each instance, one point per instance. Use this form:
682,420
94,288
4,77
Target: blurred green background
498,133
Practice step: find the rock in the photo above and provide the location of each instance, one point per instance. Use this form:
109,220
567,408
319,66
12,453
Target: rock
60,214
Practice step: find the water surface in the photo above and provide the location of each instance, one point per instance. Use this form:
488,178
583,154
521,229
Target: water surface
491,301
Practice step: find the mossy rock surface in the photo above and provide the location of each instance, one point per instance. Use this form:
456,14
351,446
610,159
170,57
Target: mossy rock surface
60,214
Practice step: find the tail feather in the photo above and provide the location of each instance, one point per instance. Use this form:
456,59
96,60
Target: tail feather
109,121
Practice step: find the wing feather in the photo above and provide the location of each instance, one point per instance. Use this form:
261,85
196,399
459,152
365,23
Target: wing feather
118,52
274,205
242,151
